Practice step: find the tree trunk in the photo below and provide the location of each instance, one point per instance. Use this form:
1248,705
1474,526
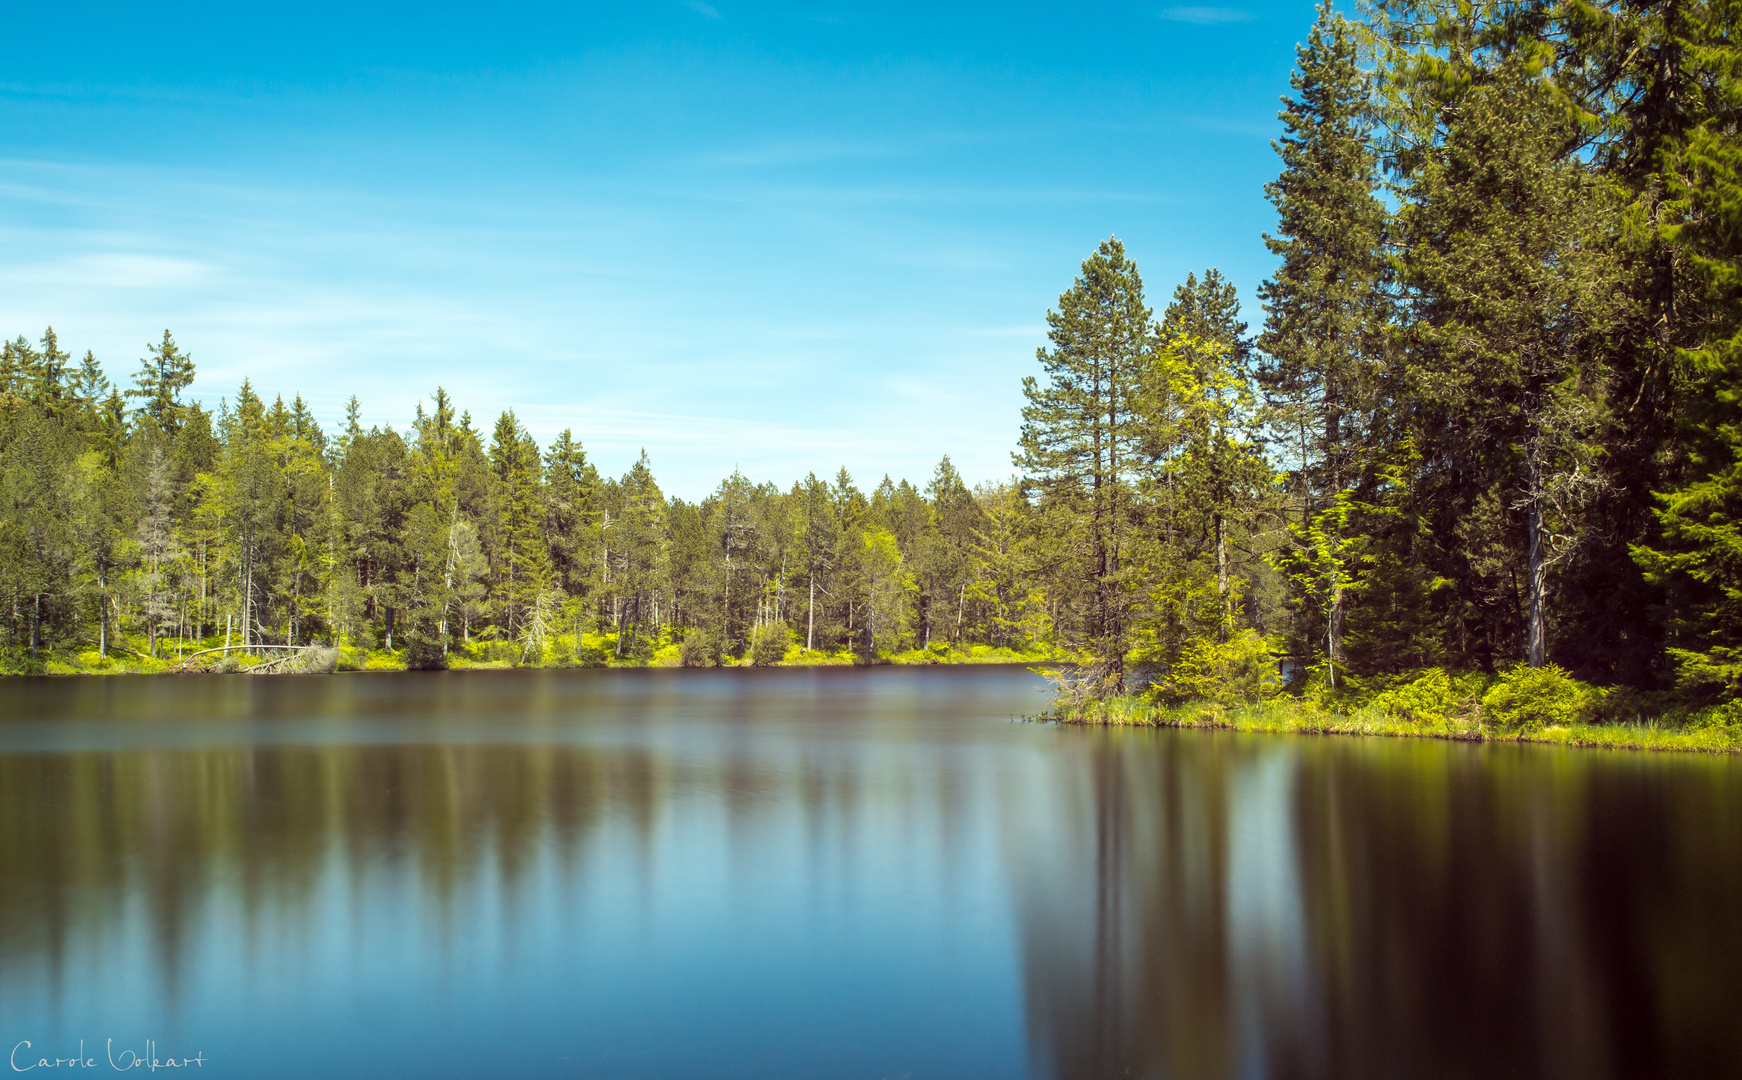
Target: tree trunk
103,610
1222,577
248,592
1334,635
810,630
1536,628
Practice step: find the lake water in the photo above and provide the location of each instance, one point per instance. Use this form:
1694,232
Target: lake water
836,873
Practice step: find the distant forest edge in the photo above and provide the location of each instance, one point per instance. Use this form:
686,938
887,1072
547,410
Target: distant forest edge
1489,426
143,527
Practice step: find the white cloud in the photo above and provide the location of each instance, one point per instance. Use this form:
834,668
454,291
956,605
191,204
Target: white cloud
113,270
702,8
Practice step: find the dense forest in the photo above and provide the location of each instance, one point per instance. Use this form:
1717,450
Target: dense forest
133,516
1489,418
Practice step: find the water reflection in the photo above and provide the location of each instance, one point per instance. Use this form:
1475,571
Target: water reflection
1326,908
848,873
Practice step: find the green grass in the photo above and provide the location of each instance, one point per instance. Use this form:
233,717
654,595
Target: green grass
1293,716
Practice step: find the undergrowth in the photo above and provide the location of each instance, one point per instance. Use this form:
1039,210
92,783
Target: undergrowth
1520,704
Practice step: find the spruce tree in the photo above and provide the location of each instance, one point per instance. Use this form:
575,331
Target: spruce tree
523,568
160,381
1325,308
1697,559
1510,288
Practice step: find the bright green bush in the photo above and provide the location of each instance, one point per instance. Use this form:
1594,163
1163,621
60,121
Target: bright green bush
1241,669
1524,699
1431,697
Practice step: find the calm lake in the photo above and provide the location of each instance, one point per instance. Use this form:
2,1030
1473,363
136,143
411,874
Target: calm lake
836,873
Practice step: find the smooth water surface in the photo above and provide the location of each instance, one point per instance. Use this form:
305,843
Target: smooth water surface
836,873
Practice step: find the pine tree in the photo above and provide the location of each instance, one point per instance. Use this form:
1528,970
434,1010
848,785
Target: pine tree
1082,434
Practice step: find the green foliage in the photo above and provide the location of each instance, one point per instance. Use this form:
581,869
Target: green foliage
1725,718
1525,699
1241,669
768,644
424,647
699,649
1432,697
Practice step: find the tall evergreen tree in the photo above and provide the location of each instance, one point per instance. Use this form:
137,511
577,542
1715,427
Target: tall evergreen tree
1082,433
1698,558
1325,308
159,384
1510,290
523,568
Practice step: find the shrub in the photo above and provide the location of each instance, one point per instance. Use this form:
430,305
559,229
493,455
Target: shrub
1726,717
1431,697
1524,699
423,648
768,644
698,650
1241,669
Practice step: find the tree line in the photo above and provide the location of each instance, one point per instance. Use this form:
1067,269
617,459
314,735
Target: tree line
137,516
1490,417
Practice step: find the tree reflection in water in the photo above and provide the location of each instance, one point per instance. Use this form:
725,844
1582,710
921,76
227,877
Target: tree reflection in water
908,882
1336,908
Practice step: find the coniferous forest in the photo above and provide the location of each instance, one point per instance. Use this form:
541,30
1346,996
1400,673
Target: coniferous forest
1487,422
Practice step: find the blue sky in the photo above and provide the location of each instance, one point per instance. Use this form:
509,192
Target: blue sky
780,237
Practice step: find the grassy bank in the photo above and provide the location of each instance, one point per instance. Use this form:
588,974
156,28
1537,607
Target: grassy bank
1712,731
131,657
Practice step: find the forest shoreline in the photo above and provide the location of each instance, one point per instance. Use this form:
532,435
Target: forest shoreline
1295,717
496,656
1278,716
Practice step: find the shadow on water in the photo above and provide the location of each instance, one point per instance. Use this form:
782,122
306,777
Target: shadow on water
841,873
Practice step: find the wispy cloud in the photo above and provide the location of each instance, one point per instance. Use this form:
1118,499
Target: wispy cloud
702,8
1206,16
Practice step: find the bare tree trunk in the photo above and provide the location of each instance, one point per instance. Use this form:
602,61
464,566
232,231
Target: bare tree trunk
1334,635
810,630
1536,629
103,610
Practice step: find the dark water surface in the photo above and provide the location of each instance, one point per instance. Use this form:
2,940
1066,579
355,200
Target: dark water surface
837,874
